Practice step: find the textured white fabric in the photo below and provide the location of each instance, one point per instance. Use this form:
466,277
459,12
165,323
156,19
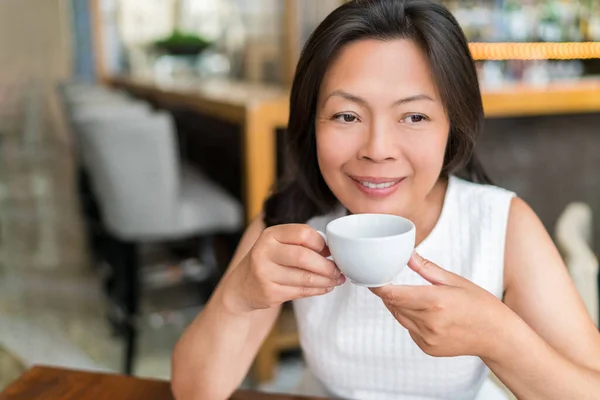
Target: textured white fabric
354,346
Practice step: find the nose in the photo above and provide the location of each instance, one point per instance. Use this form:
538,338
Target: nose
379,145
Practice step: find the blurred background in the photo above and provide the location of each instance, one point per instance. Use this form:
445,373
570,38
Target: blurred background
139,137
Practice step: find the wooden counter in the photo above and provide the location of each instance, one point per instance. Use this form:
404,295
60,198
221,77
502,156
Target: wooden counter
558,98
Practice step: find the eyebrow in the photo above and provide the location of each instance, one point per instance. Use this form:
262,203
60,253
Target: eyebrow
360,100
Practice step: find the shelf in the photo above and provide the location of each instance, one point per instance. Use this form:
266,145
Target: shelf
535,51
557,98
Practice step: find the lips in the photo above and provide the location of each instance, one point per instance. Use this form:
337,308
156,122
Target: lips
383,185
377,186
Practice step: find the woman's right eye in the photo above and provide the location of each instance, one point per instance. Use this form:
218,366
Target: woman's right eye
346,118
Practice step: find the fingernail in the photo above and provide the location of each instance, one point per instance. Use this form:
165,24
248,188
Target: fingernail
329,289
337,273
341,280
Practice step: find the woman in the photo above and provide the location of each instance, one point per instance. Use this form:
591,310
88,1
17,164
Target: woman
385,110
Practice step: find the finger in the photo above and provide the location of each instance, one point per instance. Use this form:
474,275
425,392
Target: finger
432,272
303,258
303,292
403,318
408,297
289,276
417,338
406,322
300,235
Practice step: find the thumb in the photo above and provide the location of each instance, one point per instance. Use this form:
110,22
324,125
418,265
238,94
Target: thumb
431,272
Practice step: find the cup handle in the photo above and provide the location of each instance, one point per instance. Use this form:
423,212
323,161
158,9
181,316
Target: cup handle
324,236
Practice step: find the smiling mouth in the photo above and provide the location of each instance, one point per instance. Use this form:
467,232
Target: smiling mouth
377,183
372,185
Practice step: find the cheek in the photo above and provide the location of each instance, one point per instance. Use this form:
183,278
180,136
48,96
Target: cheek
427,154
332,152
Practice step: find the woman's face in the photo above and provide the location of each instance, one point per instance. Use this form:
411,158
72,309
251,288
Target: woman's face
381,127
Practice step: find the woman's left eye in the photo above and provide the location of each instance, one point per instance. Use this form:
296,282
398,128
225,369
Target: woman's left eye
415,119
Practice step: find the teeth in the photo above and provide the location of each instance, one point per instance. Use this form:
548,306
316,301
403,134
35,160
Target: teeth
378,185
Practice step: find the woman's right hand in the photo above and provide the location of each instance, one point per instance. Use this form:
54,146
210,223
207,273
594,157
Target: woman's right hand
287,262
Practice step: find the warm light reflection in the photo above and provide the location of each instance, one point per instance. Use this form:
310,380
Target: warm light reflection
535,51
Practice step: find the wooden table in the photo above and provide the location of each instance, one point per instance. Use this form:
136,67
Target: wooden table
45,383
259,109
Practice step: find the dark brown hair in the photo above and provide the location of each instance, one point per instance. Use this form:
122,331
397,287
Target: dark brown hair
302,192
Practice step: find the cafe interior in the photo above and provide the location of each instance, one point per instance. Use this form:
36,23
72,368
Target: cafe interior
139,138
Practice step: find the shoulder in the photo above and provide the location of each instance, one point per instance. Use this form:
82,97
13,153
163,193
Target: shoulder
525,233
529,247
525,230
521,217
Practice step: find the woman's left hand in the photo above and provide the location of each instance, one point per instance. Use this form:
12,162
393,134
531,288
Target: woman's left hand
451,317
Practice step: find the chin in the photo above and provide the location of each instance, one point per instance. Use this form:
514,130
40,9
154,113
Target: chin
375,207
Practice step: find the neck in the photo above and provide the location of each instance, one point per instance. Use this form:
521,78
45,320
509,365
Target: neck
428,214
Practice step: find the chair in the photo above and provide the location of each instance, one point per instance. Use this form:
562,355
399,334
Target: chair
119,111
79,115
145,195
574,237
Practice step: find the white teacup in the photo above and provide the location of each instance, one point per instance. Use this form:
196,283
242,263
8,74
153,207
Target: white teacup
370,249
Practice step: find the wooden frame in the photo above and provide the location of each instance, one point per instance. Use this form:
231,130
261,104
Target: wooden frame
98,39
291,44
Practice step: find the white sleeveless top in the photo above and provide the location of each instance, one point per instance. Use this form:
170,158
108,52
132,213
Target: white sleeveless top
354,346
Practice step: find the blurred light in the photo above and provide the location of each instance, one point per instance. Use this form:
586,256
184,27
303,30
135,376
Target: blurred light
535,51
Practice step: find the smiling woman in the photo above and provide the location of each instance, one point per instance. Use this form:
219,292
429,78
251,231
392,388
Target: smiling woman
391,142
417,73
385,110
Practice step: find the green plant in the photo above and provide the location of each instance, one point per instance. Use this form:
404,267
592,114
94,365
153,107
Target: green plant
182,43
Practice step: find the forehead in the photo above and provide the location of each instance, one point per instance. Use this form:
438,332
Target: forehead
397,67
